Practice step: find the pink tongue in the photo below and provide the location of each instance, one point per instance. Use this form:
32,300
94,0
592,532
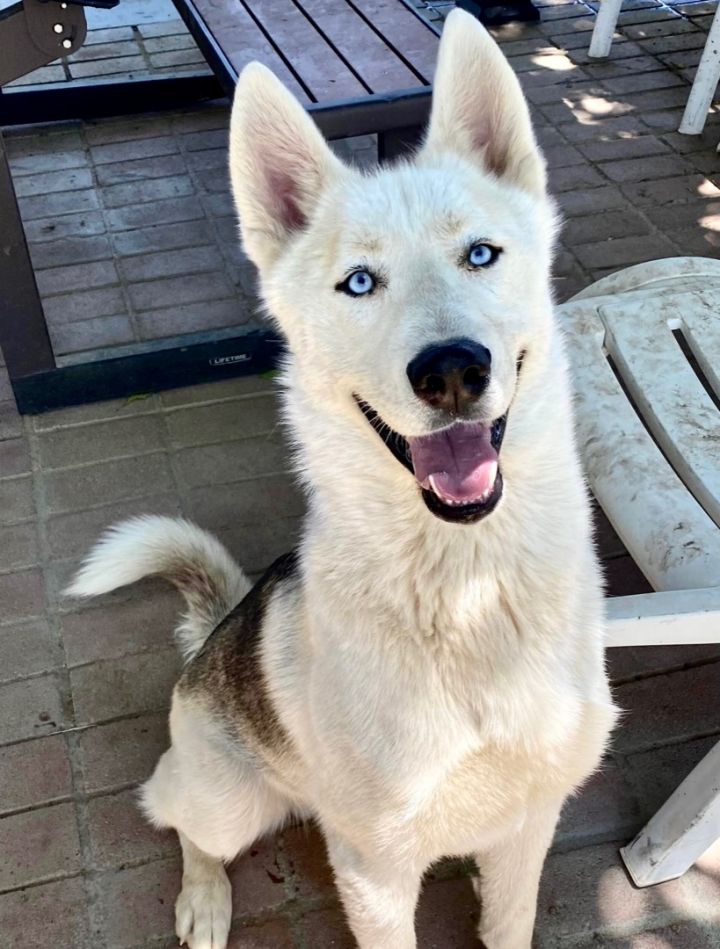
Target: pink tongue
458,464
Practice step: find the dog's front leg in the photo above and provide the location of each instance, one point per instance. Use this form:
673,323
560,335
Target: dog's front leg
509,878
379,896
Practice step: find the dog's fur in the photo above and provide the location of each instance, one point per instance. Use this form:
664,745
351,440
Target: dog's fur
421,688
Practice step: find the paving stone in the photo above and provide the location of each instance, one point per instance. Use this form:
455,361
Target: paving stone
91,334
133,149
100,441
273,935
95,412
667,708
124,172
703,213
84,305
39,844
574,176
150,189
647,168
163,237
127,686
137,904
152,213
72,250
249,458
632,147
254,545
669,44
612,224
605,809
16,499
29,708
169,263
33,162
121,753
110,632
44,206
33,773
14,459
217,422
700,243
119,834
200,119
72,535
115,34
193,317
83,224
325,928
162,44
588,890
165,28
666,191
70,179
606,198
26,649
54,914
10,423
111,131
211,138
114,49
21,594
77,488
633,662
179,57
304,851
656,774
180,290
128,65
72,277
688,935
623,251
672,26
258,880
447,915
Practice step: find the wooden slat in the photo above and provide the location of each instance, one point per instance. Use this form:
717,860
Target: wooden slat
310,56
371,58
673,402
240,39
403,31
670,537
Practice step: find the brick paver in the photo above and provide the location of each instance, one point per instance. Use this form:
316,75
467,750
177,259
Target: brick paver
132,232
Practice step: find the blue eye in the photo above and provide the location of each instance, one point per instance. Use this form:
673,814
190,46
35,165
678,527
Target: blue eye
358,284
482,255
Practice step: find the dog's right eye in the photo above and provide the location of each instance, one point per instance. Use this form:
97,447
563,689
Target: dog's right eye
357,284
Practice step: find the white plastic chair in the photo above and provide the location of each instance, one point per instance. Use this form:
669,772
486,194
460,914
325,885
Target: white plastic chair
706,78
649,433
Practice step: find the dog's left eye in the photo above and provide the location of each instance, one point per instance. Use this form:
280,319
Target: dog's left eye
357,284
482,255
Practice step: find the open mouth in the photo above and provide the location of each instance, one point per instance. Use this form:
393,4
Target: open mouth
457,468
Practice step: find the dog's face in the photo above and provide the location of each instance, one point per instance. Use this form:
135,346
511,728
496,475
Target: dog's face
410,298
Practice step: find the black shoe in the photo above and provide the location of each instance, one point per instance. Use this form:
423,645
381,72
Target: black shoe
505,11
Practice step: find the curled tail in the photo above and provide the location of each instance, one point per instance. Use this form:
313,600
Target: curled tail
181,552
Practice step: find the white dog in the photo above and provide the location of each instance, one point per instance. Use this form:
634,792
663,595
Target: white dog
424,676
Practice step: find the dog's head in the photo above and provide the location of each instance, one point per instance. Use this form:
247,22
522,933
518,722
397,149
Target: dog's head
410,297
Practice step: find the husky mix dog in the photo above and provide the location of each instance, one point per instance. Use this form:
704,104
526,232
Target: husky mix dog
424,675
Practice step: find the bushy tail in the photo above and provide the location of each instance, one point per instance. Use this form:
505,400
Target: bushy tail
181,552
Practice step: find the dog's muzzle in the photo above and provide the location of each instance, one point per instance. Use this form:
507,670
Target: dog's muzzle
456,468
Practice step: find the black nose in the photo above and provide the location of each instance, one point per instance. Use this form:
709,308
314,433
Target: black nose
451,375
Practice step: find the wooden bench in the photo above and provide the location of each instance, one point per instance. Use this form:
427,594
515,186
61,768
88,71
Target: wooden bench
359,66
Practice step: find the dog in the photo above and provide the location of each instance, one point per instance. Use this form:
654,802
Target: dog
424,674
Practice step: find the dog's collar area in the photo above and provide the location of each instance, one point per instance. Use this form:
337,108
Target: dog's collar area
399,447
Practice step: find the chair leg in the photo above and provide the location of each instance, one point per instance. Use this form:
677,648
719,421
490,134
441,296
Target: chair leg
704,84
682,830
605,24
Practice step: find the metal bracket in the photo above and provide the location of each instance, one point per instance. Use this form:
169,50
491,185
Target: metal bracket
36,32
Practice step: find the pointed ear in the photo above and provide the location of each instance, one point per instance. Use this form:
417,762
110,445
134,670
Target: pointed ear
479,110
279,163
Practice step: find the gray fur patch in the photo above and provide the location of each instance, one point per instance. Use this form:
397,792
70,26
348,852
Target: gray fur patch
227,672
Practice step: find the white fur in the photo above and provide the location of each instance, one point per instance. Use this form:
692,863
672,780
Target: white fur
195,561
442,686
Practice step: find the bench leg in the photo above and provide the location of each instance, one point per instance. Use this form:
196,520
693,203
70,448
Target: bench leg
398,142
602,35
704,84
682,830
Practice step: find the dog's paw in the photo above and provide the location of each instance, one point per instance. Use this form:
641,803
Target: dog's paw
203,912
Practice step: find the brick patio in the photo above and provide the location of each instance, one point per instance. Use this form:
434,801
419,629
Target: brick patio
84,690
